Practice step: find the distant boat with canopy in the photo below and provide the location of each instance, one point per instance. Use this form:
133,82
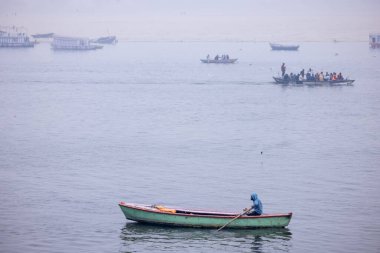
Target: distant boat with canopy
73,43
12,36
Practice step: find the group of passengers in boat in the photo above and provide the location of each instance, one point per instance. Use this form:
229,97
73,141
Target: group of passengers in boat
217,57
310,76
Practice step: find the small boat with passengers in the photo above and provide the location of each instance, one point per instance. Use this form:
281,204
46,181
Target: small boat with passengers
219,59
311,78
178,217
340,82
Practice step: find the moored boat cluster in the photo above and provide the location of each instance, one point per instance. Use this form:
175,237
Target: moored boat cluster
17,37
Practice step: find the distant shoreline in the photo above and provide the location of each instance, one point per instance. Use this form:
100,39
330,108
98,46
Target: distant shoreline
242,41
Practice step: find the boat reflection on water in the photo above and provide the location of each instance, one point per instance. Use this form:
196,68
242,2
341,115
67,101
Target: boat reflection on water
143,238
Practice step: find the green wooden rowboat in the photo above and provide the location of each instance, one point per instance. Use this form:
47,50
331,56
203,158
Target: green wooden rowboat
203,219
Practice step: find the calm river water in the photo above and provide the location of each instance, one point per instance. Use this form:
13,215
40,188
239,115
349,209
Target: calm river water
148,123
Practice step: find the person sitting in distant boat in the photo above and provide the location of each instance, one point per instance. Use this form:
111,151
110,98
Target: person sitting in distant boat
321,77
297,78
327,76
227,57
208,57
308,76
217,57
257,207
302,73
286,78
316,77
340,77
311,72
283,69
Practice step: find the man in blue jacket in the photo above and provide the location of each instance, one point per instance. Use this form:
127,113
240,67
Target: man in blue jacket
257,207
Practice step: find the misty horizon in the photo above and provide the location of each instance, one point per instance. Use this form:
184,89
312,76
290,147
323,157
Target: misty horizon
164,20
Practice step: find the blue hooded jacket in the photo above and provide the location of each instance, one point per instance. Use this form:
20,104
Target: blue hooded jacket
257,205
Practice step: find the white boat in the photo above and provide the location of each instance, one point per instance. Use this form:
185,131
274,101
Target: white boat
225,61
73,43
284,47
106,40
13,37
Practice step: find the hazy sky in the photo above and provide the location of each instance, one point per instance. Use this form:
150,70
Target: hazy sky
227,20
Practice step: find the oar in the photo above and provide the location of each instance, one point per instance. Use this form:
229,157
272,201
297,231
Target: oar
249,209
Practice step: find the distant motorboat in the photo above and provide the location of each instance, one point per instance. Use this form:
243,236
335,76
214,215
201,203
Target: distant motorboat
43,35
73,43
284,47
106,40
225,61
12,37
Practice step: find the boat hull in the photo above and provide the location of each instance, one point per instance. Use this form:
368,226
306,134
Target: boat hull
23,44
344,82
188,218
284,47
43,36
73,43
80,48
225,61
106,40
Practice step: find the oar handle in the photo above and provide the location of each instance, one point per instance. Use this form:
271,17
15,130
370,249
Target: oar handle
246,211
